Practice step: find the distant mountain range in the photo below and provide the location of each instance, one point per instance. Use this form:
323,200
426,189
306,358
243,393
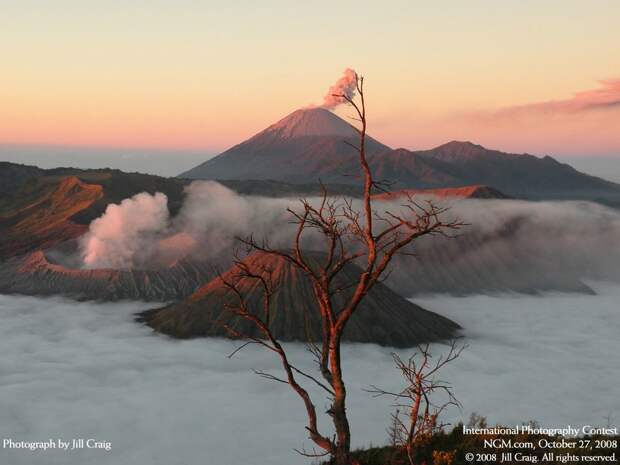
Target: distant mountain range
313,144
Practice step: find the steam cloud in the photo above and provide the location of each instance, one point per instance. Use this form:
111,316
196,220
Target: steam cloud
114,238
346,85
139,232
510,244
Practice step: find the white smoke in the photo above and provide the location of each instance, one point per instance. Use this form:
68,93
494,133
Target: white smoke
509,244
139,233
114,239
346,85
213,216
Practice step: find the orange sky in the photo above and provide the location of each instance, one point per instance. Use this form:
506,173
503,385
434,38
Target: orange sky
207,74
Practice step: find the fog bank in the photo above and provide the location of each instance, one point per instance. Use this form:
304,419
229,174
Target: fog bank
87,370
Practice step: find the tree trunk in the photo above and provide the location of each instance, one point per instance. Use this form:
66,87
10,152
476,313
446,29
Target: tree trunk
343,435
338,409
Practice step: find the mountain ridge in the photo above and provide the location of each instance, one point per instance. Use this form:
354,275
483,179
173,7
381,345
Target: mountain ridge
465,192
314,144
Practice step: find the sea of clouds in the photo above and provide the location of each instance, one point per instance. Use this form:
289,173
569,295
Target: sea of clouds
85,370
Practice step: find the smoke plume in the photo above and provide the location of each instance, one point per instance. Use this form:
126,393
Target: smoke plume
113,239
346,86
510,244
139,233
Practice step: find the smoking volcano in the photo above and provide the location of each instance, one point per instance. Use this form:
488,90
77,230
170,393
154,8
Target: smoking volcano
313,144
305,146
45,214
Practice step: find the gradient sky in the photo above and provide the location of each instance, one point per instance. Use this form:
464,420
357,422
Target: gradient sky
189,74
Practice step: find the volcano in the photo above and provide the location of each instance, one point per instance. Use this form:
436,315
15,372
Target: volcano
37,274
383,317
311,145
43,213
40,209
307,145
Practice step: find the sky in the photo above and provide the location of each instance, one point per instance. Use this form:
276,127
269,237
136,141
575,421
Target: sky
541,77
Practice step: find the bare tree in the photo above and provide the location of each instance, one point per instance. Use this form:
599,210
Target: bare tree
364,236
421,417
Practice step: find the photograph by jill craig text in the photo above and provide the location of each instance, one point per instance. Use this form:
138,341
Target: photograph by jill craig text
57,444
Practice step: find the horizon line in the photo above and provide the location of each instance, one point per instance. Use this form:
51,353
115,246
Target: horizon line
216,151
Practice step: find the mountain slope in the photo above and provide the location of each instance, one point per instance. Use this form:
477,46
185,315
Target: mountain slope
305,146
46,207
522,175
458,164
409,170
13,175
47,219
465,192
36,274
312,144
383,318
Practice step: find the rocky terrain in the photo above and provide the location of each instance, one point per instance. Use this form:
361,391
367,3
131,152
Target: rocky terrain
44,208
384,317
45,211
46,218
35,274
465,192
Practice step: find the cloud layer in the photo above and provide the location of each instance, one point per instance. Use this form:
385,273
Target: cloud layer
607,96
584,124
88,370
